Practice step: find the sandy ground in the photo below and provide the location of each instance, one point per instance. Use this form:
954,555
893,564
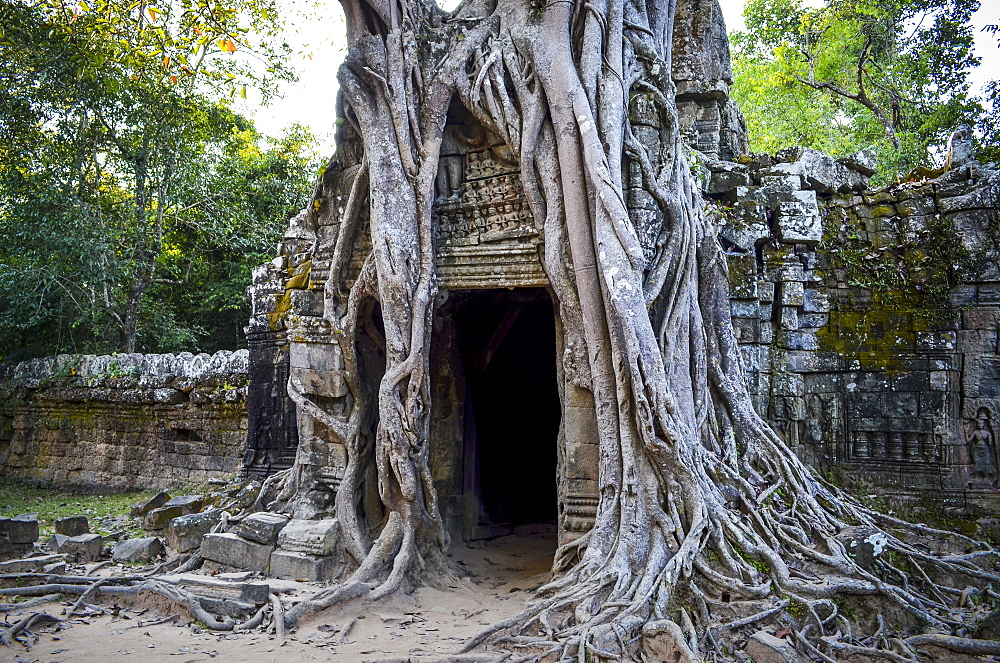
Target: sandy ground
425,624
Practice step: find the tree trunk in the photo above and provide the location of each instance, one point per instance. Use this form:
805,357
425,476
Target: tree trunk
702,506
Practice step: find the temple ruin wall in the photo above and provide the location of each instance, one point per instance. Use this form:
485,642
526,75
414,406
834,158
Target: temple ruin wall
132,420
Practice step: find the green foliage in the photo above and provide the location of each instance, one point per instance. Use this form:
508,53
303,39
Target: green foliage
133,200
988,129
852,74
18,497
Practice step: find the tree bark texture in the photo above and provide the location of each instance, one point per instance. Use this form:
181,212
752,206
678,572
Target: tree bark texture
707,523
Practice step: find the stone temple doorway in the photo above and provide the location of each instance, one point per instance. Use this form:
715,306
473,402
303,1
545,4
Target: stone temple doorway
496,410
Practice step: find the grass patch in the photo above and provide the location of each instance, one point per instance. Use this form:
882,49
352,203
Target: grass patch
17,497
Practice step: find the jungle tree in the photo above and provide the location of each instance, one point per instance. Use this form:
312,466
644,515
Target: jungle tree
123,166
701,503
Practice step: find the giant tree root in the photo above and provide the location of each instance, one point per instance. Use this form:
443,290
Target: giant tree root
8,638
129,587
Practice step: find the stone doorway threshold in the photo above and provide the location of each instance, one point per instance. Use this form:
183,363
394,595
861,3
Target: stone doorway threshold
422,627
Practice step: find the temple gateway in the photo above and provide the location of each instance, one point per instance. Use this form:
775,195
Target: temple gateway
871,387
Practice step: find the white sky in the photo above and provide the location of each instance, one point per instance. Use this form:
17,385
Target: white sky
310,101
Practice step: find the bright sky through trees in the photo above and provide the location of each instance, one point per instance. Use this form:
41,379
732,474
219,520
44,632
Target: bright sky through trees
310,101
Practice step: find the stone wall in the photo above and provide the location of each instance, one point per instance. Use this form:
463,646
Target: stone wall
868,319
131,420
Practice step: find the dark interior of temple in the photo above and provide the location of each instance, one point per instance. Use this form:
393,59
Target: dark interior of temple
508,346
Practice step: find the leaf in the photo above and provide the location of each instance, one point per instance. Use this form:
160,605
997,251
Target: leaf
783,632
166,62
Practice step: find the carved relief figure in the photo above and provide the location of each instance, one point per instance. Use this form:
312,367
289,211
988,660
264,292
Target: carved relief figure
814,422
981,449
455,144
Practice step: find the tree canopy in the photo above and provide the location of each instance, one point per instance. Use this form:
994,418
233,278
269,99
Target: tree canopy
891,75
133,200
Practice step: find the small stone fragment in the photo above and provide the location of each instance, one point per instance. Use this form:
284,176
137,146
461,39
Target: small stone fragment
56,542
140,509
83,548
762,647
137,550
157,519
29,564
19,529
187,503
73,525
863,544
184,532
56,568
262,527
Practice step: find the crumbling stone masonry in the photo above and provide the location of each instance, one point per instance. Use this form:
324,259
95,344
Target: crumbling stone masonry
869,319
150,421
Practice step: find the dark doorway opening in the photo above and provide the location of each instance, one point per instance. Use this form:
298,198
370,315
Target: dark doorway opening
512,410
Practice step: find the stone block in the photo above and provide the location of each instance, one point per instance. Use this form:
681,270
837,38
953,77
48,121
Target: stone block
722,182
30,564
326,383
813,321
231,550
302,566
155,502
744,309
986,198
862,161
900,405
187,503
792,293
746,330
911,381
249,592
137,550
800,340
933,404
184,533
73,525
780,183
865,405
84,548
939,380
167,396
316,537
157,519
799,220
863,544
789,318
936,341
55,568
787,384
56,542
762,647
19,530
262,527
